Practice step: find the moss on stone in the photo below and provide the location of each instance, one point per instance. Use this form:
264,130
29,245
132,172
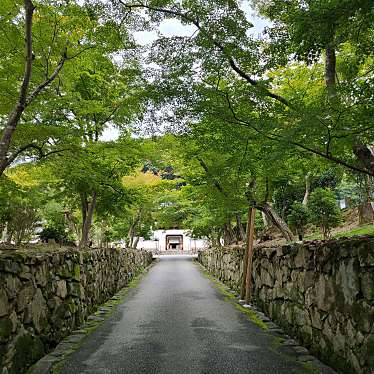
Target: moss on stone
28,350
73,308
310,367
77,272
252,316
277,342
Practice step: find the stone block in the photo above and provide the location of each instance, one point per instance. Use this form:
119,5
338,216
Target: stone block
367,284
6,328
28,349
301,258
61,289
363,315
315,318
12,285
266,278
309,279
324,293
74,289
25,296
369,350
11,266
39,311
4,303
366,253
41,275
347,280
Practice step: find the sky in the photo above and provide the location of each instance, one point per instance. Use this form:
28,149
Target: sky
173,27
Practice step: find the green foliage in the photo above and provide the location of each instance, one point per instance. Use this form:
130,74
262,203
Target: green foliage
56,233
259,224
329,178
324,211
363,230
19,210
298,218
231,142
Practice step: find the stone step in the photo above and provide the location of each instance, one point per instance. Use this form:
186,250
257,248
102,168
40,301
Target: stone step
174,253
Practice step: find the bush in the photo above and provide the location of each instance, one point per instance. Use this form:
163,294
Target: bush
56,233
298,218
324,211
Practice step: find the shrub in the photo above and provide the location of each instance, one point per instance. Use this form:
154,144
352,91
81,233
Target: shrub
298,218
56,233
324,211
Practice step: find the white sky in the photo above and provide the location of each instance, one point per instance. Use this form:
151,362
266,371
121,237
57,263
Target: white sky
173,27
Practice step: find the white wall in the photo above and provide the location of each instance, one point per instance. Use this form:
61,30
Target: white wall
189,243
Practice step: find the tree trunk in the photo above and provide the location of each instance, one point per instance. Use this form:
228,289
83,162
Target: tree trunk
216,239
72,226
307,189
228,234
132,230
135,243
9,236
87,222
250,239
130,236
277,221
330,70
365,153
265,220
245,259
17,111
19,236
240,229
3,230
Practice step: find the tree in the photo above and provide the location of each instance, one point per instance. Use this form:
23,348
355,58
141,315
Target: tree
92,178
273,107
49,63
19,208
324,211
298,218
61,40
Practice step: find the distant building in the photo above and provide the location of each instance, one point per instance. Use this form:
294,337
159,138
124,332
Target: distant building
172,240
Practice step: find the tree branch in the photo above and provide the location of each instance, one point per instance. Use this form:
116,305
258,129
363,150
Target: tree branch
13,157
46,83
234,65
277,137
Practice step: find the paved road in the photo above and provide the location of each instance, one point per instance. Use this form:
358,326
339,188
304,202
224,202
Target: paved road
176,322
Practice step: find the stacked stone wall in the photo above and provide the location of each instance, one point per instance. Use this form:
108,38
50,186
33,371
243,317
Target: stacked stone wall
320,292
44,296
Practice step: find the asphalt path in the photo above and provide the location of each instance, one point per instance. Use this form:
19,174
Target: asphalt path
176,321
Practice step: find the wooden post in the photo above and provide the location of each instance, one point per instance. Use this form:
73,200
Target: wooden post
250,237
245,259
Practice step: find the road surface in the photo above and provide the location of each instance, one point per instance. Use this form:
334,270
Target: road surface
175,321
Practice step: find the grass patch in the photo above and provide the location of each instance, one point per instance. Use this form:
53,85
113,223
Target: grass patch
231,298
361,230
252,316
310,367
277,342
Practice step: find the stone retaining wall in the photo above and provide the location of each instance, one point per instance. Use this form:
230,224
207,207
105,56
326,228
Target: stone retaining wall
320,292
44,296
